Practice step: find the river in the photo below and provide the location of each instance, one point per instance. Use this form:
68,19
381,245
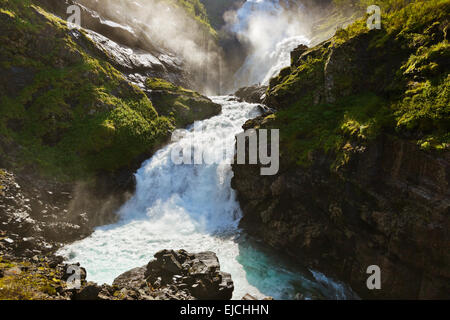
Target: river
193,207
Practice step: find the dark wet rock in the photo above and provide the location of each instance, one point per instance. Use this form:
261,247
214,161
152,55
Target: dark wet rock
90,291
201,272
54,261
38,215
135,278
388,207
252,94
178,275
297,53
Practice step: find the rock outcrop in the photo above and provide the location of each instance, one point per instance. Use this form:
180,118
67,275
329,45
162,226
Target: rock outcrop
185,106
39,215
364,157
128,47
389,207
180,275
173,275
252,94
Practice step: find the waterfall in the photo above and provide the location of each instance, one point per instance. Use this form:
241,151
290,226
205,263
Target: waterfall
193,207
271,29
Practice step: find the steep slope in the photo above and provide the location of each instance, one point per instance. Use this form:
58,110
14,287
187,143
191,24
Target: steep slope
73,126
364,120
69,109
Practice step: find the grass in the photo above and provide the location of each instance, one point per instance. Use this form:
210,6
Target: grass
183,106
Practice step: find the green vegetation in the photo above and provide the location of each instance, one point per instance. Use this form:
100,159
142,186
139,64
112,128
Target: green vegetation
197,11
387,5
22,281
346,92
71,112
307,128
161,84
183,106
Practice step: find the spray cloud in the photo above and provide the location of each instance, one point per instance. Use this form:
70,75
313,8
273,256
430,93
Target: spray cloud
167,26
271,29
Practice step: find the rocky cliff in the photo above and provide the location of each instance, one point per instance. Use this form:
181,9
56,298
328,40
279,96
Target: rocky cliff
364,176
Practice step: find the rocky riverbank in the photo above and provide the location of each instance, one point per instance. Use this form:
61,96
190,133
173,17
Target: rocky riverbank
172,275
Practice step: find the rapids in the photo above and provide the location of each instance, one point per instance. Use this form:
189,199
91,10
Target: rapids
193,207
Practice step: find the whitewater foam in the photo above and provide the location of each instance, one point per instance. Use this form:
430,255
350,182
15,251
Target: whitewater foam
271,29
192,207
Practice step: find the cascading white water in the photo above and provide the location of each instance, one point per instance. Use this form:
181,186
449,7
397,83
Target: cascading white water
193,207
272,29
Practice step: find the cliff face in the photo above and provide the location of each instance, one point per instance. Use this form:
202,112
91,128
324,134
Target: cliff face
139,48
364,175
388,207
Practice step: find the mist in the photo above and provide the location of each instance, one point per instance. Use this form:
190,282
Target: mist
170,30
270,29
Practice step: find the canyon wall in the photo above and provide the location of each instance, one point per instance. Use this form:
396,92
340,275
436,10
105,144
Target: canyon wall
364,175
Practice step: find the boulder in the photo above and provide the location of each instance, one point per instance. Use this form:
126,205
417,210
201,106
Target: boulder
252,94
198,274
88,292
133,278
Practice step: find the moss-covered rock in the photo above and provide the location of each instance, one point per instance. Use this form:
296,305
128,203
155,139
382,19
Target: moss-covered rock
182,105
197,11
66,111
24,280
364,159
363,83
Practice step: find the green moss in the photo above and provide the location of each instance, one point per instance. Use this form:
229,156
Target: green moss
74,114
161,84
426,110
183,106
7,12
301,82
197,11
413,52
329,127
428,60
